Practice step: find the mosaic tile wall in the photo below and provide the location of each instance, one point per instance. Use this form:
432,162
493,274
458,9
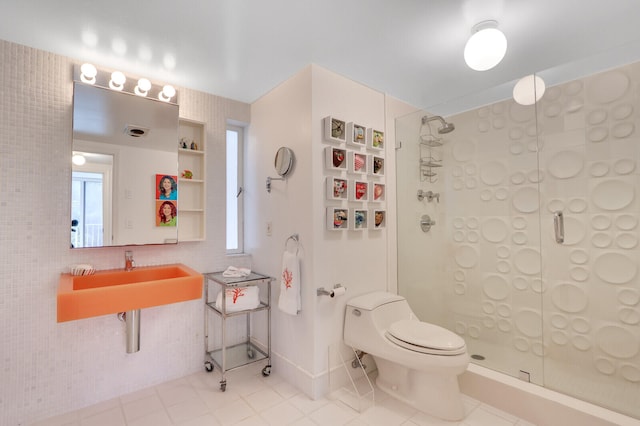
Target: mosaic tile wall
568,313
49,368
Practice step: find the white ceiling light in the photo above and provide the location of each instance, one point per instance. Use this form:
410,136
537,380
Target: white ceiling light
167,93
142,88
529,90
486,47
78,159
117,80
88,73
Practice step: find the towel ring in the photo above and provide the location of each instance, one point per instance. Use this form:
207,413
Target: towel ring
295,239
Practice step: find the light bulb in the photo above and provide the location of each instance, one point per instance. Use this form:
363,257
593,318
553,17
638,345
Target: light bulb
88,73
142,88
167,93
486,47
529,90
117,80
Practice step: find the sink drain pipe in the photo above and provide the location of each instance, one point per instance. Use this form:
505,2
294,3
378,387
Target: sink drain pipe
132,326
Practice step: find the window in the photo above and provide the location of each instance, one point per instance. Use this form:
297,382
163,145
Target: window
235,138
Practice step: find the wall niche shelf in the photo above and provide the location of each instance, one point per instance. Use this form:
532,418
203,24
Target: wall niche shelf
191,181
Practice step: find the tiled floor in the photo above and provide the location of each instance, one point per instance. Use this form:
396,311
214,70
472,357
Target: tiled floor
252,400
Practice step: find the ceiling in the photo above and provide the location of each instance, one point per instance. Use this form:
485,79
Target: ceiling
410,49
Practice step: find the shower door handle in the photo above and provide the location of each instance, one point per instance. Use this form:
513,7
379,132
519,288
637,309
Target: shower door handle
558,226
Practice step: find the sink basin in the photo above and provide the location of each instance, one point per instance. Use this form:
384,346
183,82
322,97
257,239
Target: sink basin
110,292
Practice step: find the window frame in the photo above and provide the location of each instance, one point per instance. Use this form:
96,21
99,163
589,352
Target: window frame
240,131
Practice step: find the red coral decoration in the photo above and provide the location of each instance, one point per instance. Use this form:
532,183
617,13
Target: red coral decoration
287,276
237,292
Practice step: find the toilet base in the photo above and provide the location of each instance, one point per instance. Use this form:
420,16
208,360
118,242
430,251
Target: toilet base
432,393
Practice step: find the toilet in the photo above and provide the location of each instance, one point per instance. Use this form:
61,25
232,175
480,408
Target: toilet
418,363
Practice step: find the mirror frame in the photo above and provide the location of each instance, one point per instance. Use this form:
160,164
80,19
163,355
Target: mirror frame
284,161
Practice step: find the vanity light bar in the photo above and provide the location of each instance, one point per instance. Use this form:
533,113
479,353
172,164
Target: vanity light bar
116,80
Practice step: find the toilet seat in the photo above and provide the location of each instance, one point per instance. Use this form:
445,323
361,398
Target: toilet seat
425,338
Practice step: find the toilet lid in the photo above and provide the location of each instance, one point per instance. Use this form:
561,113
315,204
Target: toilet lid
417,335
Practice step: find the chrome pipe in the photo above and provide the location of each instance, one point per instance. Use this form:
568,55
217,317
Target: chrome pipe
132,325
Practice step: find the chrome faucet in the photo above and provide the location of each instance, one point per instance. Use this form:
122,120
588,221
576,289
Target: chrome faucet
129,263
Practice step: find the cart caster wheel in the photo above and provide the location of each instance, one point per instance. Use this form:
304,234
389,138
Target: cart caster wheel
266,371
223,386
251,353
208,366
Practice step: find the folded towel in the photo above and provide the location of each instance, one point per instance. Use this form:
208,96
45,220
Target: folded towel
239,299
289,301
233,272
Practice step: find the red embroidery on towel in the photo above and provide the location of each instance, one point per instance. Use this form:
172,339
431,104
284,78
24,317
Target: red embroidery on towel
287,276
237,292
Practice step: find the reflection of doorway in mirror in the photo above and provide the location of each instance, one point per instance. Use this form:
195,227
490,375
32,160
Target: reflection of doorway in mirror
91,201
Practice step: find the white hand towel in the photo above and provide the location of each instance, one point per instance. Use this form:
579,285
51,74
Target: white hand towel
289,301
233,272
239,299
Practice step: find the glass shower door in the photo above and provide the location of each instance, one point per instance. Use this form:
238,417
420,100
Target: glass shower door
477,270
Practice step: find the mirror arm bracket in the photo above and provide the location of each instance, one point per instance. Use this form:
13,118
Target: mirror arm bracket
269,179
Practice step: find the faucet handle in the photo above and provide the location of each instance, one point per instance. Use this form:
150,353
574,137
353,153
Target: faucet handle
129,263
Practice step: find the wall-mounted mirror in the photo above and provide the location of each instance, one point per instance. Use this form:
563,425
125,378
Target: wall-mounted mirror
123,148
284,161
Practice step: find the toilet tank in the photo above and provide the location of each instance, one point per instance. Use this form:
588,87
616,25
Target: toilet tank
368,316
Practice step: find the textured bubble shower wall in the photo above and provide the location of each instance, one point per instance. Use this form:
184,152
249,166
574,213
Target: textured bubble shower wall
567,314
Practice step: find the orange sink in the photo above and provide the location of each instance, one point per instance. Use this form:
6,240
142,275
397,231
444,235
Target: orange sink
110,292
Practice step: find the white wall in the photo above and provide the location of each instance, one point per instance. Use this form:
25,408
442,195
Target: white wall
282,118
49,368
291,115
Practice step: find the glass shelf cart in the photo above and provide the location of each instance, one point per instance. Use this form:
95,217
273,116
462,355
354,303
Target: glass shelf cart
224,356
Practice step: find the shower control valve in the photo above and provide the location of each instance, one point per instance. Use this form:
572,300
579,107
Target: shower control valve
426,223
429,195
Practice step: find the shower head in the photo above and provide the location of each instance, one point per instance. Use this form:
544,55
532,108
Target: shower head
445,128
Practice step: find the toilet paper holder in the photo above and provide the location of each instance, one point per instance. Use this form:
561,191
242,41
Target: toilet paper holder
338,290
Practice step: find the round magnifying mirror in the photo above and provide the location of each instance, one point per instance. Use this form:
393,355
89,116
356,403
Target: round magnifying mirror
284,161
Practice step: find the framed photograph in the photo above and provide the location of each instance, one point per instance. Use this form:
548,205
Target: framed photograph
337,218
376,167
166,213
337,188
359,190
375,140
334,130
378,192
335,158
167,187
357,135
359,219
379,219
358,162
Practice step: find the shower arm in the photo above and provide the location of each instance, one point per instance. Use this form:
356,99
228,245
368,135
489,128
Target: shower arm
426,119
444,128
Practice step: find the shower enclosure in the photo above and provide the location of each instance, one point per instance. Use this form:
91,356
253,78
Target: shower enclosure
531,251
